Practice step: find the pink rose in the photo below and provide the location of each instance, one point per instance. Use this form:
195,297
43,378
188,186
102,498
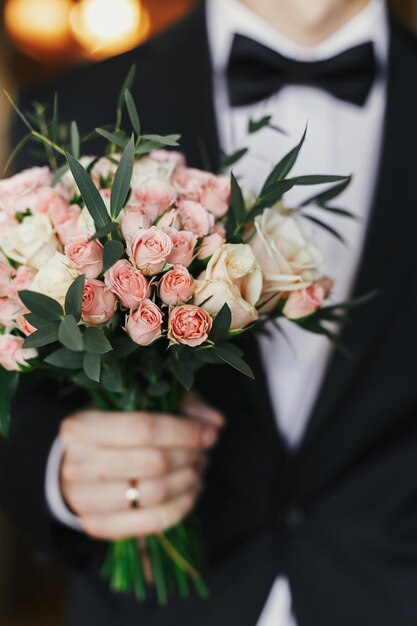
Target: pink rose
99,303
9,310
188,182
215,195
7,224
304,302
12,353
133,221
195,218
176,286
168,155
23,325
127,282
154,197
209,245
183,244
144,324
149,250
19,192
64,218
189,325
85,255
23,279
6,275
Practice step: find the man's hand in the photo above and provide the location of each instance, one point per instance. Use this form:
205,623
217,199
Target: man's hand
165,454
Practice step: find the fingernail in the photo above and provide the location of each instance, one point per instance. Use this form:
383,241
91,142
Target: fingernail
208,437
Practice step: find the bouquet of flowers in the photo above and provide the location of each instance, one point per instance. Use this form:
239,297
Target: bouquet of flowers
124,274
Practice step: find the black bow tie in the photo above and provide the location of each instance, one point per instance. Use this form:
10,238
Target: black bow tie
255,72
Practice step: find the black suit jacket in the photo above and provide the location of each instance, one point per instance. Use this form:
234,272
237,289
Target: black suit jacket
339,516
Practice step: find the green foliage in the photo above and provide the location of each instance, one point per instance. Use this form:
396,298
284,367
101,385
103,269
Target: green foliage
92,366
8,384
74,298
43,306
42,337
221,324
89,192
69,334
122,180
95,341
133,114
75,140
66,359
112,252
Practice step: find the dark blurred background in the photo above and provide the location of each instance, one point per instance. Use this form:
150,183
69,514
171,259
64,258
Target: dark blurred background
40,39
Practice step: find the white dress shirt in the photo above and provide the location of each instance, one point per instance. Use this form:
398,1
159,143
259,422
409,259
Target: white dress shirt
341,139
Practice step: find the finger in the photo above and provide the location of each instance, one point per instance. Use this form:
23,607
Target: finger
193,406
140,522
137,429
93,498
82,463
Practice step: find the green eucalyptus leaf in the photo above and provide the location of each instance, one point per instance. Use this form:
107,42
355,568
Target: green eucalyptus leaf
230,159
38,322
207,355
75,140
69,334
122,180
106,230
283,168
329,194
59,173
221,324
163,140
133,113
183,374
42,337
326,227
127,84
43,306
16,151
95,341
54,121
92,366
111,137
89,192
254,126
8,384
318,179
233,360
112,252
159,388
237,202
74,298
66,359
82,380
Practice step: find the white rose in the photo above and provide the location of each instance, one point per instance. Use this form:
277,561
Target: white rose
285,251
151,169
211,295
237,264
32,242
55,278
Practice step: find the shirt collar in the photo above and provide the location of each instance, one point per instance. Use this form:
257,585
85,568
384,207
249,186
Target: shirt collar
225,18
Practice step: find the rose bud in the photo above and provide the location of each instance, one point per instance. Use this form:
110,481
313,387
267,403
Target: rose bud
154,197
85,255
176,286
304,302
133,221
189,325
144,324
98,304
127,282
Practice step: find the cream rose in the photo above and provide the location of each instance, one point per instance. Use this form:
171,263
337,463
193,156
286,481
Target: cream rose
237,264
211,295
285,251
32,242
147,169
55,278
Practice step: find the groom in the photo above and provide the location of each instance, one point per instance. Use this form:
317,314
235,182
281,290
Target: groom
310,506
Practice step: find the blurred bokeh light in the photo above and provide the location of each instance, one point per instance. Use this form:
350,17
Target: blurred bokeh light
106,27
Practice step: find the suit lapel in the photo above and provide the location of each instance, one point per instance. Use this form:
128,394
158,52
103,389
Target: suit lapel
388,243
178,69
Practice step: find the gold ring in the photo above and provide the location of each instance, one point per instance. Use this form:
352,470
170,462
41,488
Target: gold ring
132,494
